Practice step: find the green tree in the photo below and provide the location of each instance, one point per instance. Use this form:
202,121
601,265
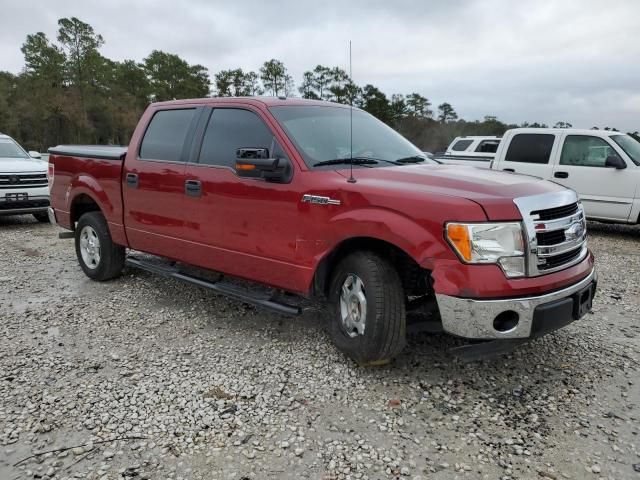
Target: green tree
398,107
130,78
81,44
446,113
562,125
43,59
376,103
171,77
307,87
418,106
237,83
275,78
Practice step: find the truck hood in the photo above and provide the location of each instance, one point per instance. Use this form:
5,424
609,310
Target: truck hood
493,190
22,165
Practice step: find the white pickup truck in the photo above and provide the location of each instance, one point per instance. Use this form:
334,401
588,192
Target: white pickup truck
602,166
475,151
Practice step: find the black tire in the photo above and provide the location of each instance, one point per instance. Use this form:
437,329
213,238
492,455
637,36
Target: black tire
42,217
111,256
384,334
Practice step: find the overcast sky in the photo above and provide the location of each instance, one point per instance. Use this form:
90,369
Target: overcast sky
576,61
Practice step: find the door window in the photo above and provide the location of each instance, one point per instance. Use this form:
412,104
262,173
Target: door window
585,151
232,128
530,148
166,134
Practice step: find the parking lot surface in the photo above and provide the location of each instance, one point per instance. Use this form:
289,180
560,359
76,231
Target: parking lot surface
145,377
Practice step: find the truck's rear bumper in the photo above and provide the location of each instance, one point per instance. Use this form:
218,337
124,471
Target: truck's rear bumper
522,317
52,216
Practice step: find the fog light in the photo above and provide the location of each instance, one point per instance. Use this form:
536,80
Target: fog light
506,321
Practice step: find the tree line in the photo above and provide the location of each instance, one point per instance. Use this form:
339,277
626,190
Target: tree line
68,92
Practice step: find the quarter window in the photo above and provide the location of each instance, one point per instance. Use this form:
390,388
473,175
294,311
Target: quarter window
585,151
230,129
530,148
166,134
461,145
488,146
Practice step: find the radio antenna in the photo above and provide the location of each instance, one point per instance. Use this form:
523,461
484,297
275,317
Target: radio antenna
351,179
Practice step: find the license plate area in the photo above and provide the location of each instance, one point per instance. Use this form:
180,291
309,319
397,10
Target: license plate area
583,301
16,197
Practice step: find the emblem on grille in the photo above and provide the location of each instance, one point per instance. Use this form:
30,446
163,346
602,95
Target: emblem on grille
318,200
574,232
14,179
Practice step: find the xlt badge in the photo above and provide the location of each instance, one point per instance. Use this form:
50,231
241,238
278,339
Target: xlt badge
318,200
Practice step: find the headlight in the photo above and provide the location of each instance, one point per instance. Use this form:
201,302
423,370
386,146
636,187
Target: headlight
500,243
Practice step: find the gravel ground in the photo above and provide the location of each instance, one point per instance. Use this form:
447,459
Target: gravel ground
150,378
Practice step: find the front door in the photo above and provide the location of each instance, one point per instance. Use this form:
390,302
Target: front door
606,193
242,226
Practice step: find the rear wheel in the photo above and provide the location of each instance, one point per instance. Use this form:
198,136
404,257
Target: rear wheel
368,308
42,217
99,257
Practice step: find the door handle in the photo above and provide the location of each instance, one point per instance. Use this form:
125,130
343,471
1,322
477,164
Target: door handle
561,174
193,188
508,170
132,180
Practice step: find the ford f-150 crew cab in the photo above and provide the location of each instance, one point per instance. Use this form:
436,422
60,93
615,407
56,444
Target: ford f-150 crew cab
278,192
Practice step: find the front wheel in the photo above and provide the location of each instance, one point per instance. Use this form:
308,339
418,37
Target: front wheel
368,308
99,257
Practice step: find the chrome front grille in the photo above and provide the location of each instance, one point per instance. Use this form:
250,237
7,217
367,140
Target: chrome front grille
22,180
556,231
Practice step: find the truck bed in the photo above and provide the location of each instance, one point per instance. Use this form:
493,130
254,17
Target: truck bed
95,173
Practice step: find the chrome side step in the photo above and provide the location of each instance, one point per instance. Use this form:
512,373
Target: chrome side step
264,300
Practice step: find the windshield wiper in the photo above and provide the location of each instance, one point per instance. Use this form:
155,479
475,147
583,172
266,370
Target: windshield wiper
347,161
411,159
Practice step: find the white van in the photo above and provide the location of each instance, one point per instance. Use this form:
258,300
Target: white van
602,166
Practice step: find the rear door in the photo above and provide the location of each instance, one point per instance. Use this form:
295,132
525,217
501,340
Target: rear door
606,193
528,153
154,182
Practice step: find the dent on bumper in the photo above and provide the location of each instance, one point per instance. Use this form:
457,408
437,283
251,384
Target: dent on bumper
471,318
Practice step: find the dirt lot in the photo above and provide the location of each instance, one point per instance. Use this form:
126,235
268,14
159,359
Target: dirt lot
150,378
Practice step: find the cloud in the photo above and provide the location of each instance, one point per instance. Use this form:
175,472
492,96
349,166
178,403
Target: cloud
530,60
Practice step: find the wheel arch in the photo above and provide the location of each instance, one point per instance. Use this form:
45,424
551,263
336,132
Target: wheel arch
81,204
414,278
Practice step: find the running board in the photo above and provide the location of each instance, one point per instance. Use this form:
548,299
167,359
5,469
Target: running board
220,286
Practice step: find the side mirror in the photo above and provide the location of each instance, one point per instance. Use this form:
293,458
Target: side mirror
614,161
256,163
34,154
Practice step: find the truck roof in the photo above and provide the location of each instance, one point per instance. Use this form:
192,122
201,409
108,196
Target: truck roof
476,137
264,100
573,131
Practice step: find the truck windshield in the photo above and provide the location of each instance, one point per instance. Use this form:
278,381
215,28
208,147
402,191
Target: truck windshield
10,149
322,135
630,146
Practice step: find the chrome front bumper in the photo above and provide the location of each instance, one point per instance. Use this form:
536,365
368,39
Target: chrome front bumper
474,319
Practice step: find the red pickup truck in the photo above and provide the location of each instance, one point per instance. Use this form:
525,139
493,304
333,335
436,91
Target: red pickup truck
315,199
